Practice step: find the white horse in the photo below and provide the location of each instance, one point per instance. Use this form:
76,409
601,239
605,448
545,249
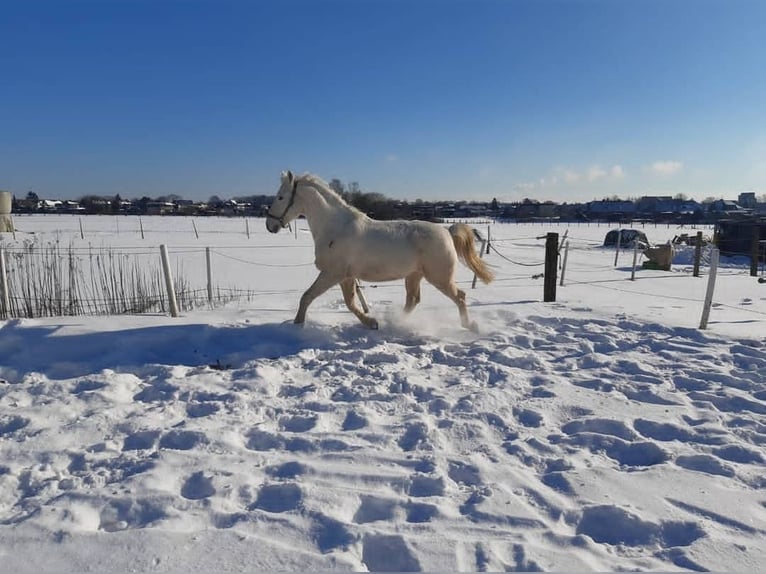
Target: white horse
348,246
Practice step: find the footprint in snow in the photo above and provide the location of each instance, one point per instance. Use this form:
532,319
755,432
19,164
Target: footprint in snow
182,440
415,436
388,553
197,487
298,423
10,424
278,498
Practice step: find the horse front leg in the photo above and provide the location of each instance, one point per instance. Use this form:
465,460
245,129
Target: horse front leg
321,284
348,286
412,286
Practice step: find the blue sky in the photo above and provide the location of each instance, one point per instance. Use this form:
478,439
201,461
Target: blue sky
563,100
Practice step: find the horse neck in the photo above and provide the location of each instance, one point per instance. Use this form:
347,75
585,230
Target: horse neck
323,211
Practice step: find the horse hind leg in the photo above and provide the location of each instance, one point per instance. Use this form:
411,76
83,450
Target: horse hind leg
412,285
458,296
348,286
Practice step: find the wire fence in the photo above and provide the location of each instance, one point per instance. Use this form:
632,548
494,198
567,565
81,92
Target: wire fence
50,279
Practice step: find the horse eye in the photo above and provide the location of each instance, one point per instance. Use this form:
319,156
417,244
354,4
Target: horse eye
280,197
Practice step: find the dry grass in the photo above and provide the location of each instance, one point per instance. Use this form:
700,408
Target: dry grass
48,280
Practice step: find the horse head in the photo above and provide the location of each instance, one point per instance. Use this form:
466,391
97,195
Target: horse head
281,213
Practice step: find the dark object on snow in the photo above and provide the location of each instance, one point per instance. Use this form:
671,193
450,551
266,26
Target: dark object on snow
735,236
627,237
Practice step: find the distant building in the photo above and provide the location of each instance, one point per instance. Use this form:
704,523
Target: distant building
610,209
747,200
726,208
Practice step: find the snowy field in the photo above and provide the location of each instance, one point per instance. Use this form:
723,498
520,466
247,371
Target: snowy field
604,431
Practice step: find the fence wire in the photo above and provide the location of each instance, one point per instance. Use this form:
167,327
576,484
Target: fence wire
53,279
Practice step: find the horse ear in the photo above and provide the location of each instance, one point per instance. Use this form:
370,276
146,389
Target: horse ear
287,176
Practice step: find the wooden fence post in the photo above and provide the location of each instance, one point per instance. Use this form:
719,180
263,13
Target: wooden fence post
481,255
141,226
564,263
551,266
247,228
697,254
561,244
487,242
617,252
209,276
635,258
194,225
168,281
6,308
362,299
710,288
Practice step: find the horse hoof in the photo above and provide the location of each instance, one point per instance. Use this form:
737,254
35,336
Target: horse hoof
373,324
474,327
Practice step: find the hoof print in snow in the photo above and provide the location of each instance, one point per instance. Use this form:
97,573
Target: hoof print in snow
141,440
415,436
197,487
388,553
612,525
182,440
278,498
422,486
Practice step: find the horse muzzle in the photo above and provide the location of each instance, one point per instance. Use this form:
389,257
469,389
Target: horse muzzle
273,224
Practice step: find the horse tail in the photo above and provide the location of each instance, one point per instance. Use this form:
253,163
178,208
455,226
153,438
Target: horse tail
462,237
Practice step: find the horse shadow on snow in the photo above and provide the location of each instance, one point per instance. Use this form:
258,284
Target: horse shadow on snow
42,350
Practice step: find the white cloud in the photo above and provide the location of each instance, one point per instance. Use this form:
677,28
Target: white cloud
666,167
594,173
565,178
570,176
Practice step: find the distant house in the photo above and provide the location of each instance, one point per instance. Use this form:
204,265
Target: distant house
49,205
160,208
610,209
666,208
747,200
69,206
726,208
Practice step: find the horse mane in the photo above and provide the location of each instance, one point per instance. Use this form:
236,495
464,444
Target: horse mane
330,195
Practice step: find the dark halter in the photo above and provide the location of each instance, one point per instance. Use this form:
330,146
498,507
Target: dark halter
281,218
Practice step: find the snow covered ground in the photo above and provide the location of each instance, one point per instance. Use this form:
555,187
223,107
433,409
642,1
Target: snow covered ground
604,431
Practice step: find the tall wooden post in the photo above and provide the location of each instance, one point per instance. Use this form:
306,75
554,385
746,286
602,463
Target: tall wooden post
710,288
169,281
209,276
564,264
697,254
488,238
551,266
6,307
635,259
481,255
362,299
617,252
